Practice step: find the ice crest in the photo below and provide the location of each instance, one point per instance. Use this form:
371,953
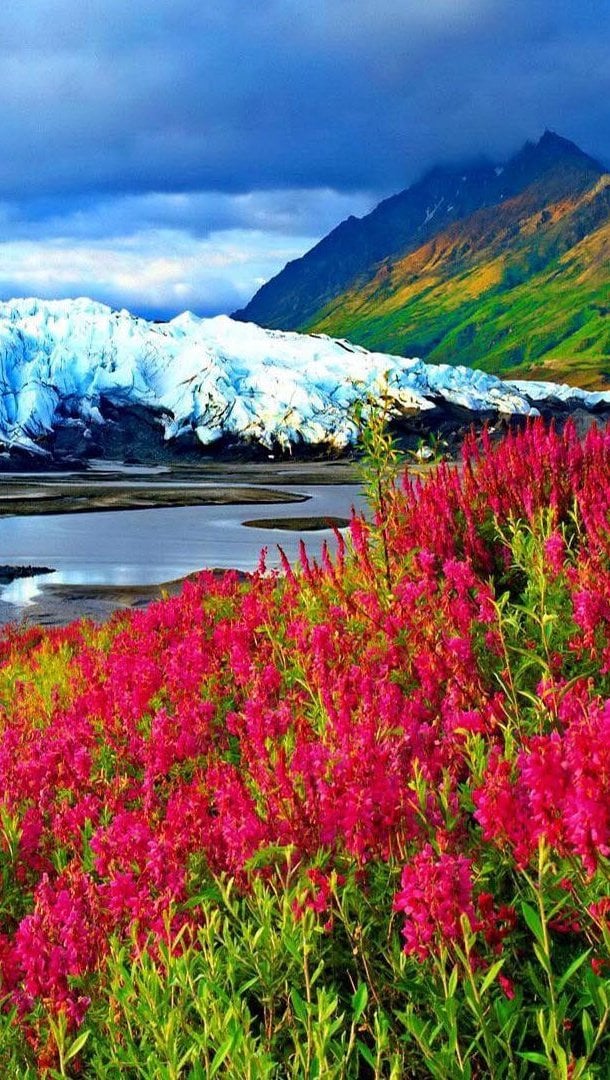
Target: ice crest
64,360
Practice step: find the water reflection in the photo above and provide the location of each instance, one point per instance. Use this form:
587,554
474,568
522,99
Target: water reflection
148,547
23,591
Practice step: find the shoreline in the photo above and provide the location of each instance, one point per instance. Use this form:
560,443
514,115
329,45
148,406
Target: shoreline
84,499
59,605
110,489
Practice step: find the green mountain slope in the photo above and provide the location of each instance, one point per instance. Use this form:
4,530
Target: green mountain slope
532,304
518,285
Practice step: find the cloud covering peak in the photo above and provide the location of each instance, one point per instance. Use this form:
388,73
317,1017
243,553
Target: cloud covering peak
275,118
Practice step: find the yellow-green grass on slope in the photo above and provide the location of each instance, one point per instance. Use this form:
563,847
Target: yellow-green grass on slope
536,307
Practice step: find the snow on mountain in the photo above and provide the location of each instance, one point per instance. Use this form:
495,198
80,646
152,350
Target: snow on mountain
62,361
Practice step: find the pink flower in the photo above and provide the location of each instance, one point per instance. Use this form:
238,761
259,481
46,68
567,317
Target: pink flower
436,893
555,552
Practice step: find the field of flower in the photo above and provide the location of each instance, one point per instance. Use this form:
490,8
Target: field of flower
350,820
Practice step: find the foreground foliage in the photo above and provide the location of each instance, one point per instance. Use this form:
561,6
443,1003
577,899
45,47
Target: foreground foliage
349,820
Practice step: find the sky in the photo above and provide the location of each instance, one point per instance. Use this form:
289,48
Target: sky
169,154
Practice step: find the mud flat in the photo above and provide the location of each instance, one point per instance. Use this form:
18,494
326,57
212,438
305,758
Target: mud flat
103,561
298,524
77,498
58,605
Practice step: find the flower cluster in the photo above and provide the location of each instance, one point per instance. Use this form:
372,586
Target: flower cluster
433,696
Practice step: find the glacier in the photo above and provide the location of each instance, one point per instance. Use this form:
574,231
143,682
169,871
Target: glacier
62,361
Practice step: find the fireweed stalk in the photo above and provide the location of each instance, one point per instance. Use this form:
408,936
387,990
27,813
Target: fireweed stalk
347,820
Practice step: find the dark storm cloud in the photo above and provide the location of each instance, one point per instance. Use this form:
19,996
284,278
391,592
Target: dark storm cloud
240,131
197,213
352,94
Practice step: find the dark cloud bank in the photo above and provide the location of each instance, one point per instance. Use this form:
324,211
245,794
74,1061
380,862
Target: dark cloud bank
168,153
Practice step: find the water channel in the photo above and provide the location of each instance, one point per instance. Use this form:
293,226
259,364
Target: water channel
147,547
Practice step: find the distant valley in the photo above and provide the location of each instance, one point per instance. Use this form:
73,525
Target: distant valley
500,267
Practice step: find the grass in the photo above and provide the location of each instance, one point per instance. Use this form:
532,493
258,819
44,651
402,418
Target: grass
534,305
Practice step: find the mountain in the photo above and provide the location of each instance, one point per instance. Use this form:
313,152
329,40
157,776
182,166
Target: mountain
502,267
77,378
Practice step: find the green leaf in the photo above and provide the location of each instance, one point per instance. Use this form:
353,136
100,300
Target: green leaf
316,975
359,1002
365,1053
573,968
543,959
536,1059
587,1030
299,1006
221,1054
491,975
532,919
77,1045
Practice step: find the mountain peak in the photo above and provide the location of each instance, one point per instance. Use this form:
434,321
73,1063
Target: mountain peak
552,148
549,171
551,138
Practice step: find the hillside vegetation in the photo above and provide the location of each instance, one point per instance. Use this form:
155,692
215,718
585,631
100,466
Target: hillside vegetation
346,820
527,300
505,269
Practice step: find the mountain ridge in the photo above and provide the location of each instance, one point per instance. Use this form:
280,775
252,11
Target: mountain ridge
552,178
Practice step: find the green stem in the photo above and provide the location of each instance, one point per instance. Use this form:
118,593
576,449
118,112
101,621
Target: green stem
308,999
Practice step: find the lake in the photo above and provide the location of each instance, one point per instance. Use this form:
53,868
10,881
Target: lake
149,547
